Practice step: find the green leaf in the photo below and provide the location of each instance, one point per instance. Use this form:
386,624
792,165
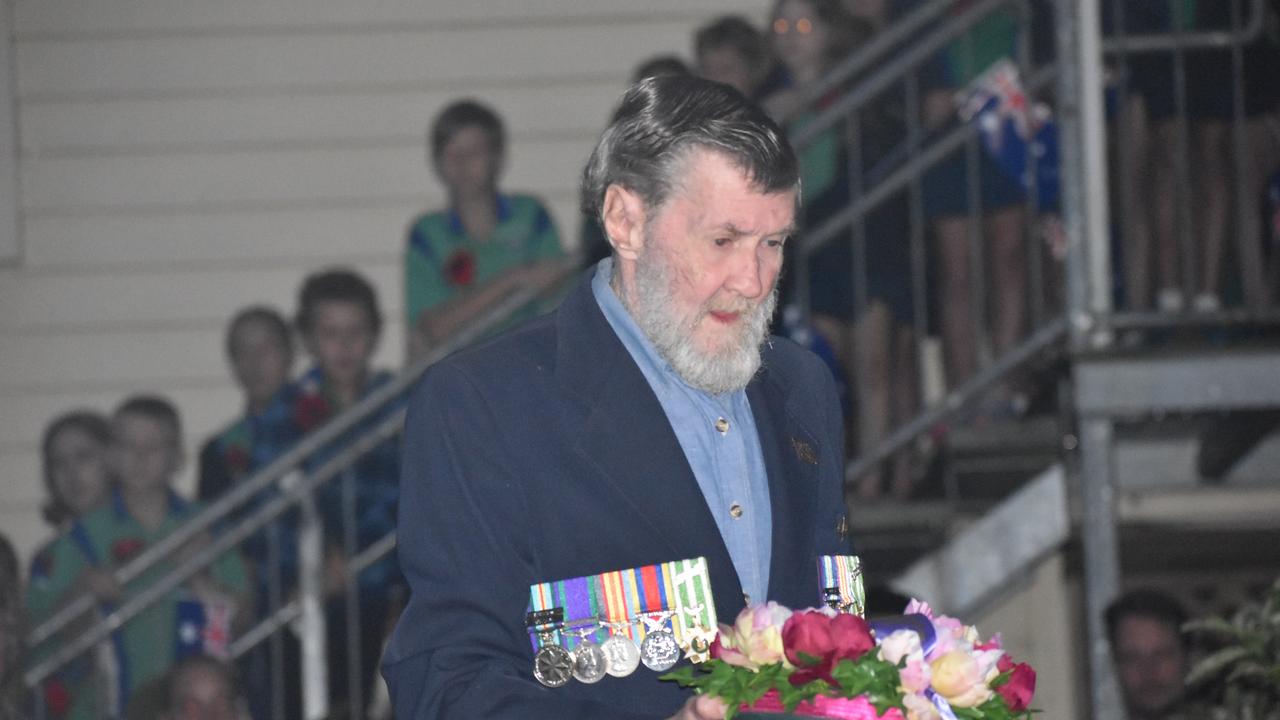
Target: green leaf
1214,664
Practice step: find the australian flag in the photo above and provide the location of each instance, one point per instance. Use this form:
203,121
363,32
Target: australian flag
202,628
1014,129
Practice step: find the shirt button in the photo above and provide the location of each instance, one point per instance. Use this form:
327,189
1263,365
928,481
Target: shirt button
722,425
735,510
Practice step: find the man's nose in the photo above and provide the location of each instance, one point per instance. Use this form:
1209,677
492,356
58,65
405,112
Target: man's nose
744,277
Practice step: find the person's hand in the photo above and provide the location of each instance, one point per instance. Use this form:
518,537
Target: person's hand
701,707
101,584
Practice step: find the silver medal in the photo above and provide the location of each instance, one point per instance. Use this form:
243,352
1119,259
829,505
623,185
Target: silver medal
553,666
660,651
589,663
622,655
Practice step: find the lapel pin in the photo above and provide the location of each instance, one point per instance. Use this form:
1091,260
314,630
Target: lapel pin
804,451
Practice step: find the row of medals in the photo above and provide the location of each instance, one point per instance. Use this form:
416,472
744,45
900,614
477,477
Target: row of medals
589,662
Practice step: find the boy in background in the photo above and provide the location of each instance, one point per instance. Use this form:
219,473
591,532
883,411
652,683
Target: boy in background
145,454
340,322
466,257
259,348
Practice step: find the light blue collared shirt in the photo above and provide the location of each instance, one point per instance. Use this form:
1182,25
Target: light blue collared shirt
728,465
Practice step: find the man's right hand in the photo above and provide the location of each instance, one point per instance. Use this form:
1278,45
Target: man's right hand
701,707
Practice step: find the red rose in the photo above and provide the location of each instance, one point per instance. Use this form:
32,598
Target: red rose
310,412
1018,690
460,268
56,698
237,459
815,642
125,548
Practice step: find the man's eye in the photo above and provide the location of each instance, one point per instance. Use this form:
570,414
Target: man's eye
776,243
723,241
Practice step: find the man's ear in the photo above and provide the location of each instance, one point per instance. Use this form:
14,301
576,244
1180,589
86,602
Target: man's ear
622,214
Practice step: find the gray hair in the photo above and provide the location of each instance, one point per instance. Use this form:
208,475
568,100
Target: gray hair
660,119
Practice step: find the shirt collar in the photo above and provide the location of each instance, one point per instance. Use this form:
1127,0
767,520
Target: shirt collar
503,204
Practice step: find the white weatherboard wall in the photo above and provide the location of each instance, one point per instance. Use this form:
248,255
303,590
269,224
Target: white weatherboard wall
178,160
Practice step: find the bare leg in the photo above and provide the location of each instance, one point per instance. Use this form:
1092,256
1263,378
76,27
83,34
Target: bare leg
1009,260
905,403
1134,147
959,345
871,355
1214,196
1164,202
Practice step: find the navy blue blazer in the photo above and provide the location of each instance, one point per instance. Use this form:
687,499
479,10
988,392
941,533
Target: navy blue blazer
542,455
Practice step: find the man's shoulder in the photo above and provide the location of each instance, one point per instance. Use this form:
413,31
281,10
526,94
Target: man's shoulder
516,354
787,361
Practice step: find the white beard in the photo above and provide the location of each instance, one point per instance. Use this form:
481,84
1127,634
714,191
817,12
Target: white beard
719,372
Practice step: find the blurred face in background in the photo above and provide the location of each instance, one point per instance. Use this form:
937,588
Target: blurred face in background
78,467
726,65
342,340
801,40
1152,664
260,360
146,452
468,164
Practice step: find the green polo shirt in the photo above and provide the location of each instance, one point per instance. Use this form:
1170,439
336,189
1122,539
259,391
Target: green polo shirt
144,648
442,260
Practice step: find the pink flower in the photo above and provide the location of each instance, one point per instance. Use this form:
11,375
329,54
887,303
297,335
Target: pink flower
959,678
920,707
858,708
900,644
816,641
916,676
918,607
1018,690
755,639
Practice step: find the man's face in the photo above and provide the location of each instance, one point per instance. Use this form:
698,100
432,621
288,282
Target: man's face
704,280
342,341
1151,663
145,451
468,165
260,360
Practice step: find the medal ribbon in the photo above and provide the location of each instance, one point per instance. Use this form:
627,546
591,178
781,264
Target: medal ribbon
844,573
621,599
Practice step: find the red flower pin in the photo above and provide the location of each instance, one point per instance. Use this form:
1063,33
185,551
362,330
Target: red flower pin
460,269
56,698
237,459
310,412
125,548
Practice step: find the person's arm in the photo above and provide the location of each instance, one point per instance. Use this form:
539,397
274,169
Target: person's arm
437,323
543,262
460,650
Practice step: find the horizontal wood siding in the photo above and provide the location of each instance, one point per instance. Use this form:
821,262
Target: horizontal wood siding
180,160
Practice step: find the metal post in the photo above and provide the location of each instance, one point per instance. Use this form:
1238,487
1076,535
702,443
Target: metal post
1084,196
315,669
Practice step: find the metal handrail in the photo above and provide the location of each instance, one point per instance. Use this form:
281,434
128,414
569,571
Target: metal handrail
1149,42
963,397
262,516
893,71
862,58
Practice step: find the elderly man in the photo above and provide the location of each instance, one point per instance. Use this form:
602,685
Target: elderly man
649,419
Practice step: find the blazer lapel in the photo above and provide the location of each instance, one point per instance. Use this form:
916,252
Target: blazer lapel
627,437
790,458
